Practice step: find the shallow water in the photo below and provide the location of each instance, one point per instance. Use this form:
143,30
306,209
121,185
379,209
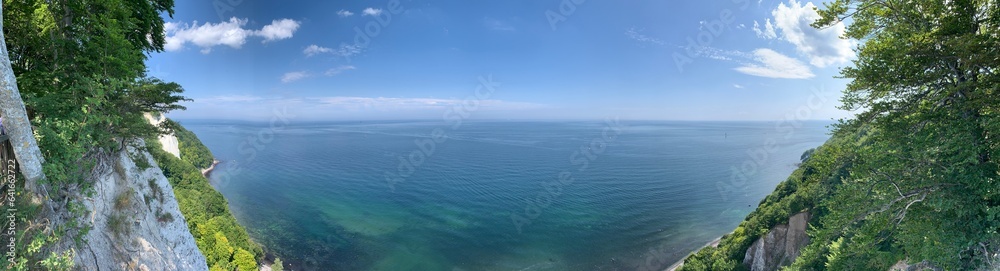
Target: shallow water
317,194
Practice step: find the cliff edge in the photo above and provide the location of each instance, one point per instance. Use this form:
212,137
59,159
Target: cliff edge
135,219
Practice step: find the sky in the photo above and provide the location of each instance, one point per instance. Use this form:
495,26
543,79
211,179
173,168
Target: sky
509,59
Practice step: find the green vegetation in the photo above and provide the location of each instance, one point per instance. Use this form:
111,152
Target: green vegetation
913,176
73,59
191,148
277,266
218,235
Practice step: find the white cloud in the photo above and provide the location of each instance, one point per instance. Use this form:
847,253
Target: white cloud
338,70
316,49
338,107
344,13
345,50
767,32
229,33
206,36
822,47
371,12
635,35
384,103
278,30
293,76
737,86
768,63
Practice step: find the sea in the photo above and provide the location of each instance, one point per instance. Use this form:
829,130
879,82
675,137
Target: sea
497,194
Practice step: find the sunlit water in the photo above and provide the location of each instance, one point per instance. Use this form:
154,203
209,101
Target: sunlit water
318,196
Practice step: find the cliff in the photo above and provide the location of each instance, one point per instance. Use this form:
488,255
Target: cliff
135,219
780,246
169,140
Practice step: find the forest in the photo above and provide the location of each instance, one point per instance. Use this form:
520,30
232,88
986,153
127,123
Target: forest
913,176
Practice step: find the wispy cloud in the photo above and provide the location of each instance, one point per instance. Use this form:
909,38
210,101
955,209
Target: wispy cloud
339,69
761,62
636,35
344,13
767,32
371,12
738,86
294,76
314,49
362,103
771,64
229,33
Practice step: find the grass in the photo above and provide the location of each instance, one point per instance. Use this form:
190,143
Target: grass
123,199
157,191
119,224
140,160
165,217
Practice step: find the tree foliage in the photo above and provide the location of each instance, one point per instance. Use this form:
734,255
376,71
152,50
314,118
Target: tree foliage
80,66
216,232
192,150
918,175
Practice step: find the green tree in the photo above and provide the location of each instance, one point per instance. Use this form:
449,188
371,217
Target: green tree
221,251
80,68
244,261
925,184
278,265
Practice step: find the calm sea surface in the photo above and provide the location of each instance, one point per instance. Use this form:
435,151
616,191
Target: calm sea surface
497,195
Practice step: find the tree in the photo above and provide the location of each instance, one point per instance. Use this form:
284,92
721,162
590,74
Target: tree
925,184
244,261
222,251
277,266
15,120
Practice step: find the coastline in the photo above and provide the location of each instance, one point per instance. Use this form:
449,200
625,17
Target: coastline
208,171
678,264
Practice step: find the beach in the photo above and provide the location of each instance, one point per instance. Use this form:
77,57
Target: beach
678,264
206,172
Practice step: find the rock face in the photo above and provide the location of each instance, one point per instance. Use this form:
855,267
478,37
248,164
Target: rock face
780,246
168,141
131,228
921,266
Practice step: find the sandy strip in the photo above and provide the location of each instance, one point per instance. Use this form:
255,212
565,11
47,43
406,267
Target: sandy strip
207,171
678,264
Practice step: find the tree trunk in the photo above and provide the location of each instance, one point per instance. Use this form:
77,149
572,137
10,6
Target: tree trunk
15,120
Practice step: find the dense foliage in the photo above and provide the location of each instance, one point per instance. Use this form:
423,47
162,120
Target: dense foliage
192,150
923,180
80,69
804,190
225,244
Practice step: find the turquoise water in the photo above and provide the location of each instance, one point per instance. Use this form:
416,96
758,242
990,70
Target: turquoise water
489,195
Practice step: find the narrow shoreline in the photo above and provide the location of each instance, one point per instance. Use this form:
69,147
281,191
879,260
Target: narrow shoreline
208,171
678,264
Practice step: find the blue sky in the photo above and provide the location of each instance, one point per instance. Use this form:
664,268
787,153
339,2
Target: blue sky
548,59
